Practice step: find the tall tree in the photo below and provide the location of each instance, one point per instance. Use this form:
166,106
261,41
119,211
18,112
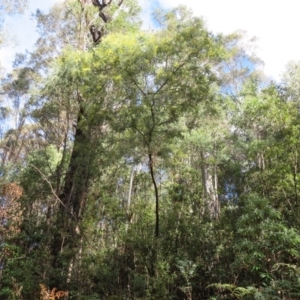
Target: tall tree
9,8
75,188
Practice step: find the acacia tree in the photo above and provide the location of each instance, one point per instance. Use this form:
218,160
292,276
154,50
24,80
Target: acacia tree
164,92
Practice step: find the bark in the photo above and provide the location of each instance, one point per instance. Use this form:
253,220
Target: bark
67,234
210,186
156,195
129,215
73,199
295,175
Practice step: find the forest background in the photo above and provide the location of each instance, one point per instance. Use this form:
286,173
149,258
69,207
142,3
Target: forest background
146,164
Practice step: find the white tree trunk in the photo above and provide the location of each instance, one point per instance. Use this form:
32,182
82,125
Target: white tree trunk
210,186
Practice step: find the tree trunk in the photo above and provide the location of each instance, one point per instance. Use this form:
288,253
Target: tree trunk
73,199
67,233
156,195
210,184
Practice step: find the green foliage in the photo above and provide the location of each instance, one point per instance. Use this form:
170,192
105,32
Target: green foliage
237,292
144,122
38,177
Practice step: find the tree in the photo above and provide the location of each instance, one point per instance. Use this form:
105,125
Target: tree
149,163
9,7
139,86
74,191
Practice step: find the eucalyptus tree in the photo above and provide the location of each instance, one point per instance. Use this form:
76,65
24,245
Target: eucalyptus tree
54,113
86,19
9,8
266,147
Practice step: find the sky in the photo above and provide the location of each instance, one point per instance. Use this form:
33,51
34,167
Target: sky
22,30
275,23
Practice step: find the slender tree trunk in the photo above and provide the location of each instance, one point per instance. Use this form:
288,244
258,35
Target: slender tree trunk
295,175
129,215
209,183
156,195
